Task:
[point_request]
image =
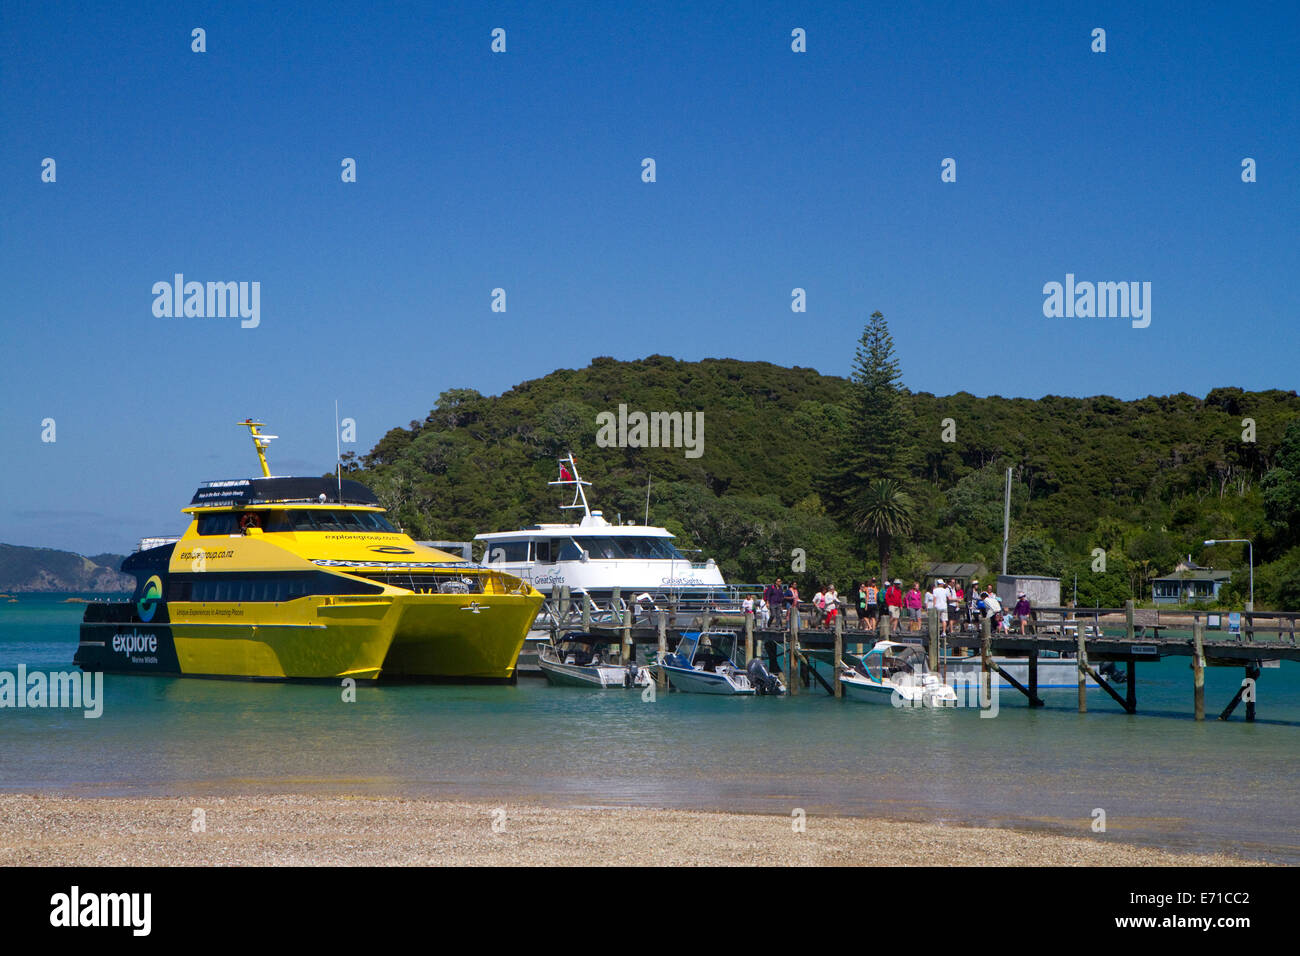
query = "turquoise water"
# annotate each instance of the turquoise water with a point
(1161, 778)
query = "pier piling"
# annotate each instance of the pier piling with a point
(1198, 667)
(625, 619)
(932, 638)
(986, 656)
(662, 623)
(1081, 633)
(839, 652)
(792, 659)
(1252, 674)
(749, 638)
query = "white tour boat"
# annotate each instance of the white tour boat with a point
(593, 557)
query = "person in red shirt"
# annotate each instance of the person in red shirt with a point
(894, 601)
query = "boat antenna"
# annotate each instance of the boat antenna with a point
(338, 450)
(569, 476)
(647, 499)
(260, 442)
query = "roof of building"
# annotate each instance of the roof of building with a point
(1203, 574)
(948, 570)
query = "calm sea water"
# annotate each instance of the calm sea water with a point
(1161, 778)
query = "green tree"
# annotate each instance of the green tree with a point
(885, 513)
(1281, 486)
(1033, 555)
(874, 444)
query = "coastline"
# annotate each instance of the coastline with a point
(294, 829)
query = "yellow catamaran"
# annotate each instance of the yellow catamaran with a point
(304, 578)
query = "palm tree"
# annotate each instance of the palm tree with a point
(884, 511)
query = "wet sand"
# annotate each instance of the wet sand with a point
(298, 830)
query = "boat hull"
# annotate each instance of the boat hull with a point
(705, 682)
(417, 636)
(869, 692)
(570, 675)
(915, 695)
(459, 636)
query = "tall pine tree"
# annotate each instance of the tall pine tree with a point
(876, 443)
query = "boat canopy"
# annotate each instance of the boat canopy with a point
(587, 639)
(250, 491)
(890, 647)
(707, 647)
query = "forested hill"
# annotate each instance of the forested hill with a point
(1146, 480)
(47, 570)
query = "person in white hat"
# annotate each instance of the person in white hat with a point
(940, 603)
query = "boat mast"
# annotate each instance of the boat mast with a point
(260, 442)
(579, 486)
(338, 449)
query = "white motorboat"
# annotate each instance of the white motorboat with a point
(580, 659)
(594, 557)
(705, 663)
(896, 673)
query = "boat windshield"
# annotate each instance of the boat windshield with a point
(297, 519)
(715, 647)
(686, 646)
(316, 519)
(585, 650)
(631, 547)
(885, 662)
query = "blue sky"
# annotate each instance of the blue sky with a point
(522, 170)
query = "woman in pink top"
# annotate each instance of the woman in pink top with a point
(912, 601)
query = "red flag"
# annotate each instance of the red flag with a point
(564, 474)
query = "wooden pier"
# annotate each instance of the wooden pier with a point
(1088, 636)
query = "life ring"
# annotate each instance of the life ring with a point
(249, 520)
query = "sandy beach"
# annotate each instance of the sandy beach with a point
(293, 829)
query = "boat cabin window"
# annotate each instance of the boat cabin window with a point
(319, 519)
(507, 551)
(633, 547)
(222, 522)
(542, 550)
(270, 587)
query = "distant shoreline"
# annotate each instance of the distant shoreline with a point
(299, 829)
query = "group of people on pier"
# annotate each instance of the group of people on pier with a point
(780, 601)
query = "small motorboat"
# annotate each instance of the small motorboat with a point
(704, 662)
(581, 659)
(896, 673)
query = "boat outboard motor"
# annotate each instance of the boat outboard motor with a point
(761, 678)
(1110, 670)
(633, 672)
